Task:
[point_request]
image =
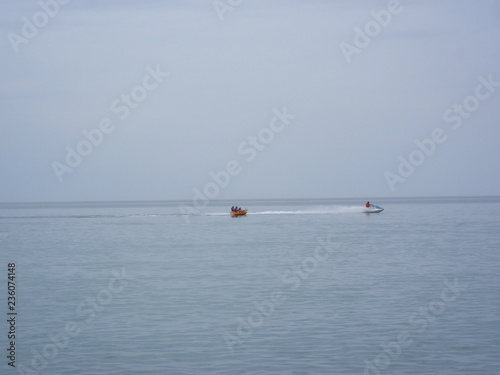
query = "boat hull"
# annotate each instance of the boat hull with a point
(239, 213)
(374, 209)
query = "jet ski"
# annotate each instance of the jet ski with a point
(373, 209)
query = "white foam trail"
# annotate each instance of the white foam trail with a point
(314, 211)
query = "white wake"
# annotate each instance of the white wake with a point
(327, 210)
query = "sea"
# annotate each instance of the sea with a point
(308, 286)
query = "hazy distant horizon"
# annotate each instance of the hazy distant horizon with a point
(361, 200)
(158, 101)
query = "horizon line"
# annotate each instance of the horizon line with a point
(248, 199)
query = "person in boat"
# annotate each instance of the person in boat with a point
(232, 208)
(368, 205)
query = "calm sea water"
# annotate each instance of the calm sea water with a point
(295, 287)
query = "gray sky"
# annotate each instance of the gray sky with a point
(352, 117)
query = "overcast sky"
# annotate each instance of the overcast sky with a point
(178, 87)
